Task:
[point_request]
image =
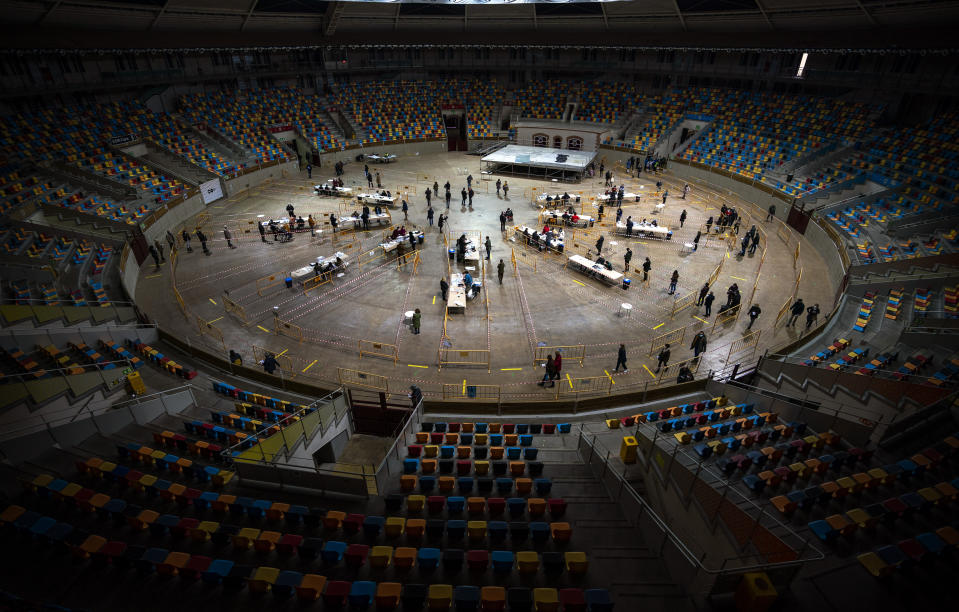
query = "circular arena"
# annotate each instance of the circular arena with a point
(478, 306)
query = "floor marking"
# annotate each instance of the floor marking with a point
(214, 320)
(648, 370)
(263, 328)
(570, 380)
(434, 299)
(610, 377)
(640, 242)
(577, 282)
(283, 353)
(510, 369)
(211, 301)
(153, 276)
(413, 365)
(738, 278)
(698, 319)
(660, 325)
(727, 254)
(464, 386)
(309, 366)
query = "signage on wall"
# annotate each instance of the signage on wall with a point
(125, 138)
(211, 191)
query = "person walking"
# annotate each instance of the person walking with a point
(744, 245)
(159, 247)
(379, 185)
(171, 240)
(463, 197)
(500, 268)
(202, 238)
(269, 363)
(417, 317)
(812, 313)
(754, 312)
(619, 214)
(699, 344)
(627, 257)
(647, 266)
(442, 221)
(309, 171)
(621, 359)
(550, 372)
(599, 245)
(662, 360)
(444, 288)
(797, 309)
(685, 191)
(229, 237)
(499, 184)
(406, 210)
(506, 190)
(702, 294)
(682, 217)
(436, 188)
(312, 223)
(469, 180)
(448, 197)
(672, 282)
(369, 179)
(186, 240)
(429, 215)
(599, 213)
(333, 222)
(469, 194)
(502, 222)
(699, 235)
(709, 224)
(665, 195)
(557, 366)
(771, 211)
(156, 258)
(290, 209)
(489, 247)
(429, 195)
(708, 303)
(755, 243)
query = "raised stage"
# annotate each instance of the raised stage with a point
(541, 162)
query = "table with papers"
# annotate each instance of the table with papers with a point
(581, 220)
(328, 189)
(306, 272)
(627, 197)
(550, 200)
(375, 198)
(595, 270)
(456, 300)
(375, 219)
(557, 243)
(381, 159)
(646, 230)
(392, 244)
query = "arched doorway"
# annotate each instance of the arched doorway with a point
(557, 142)
(540, 140)
(575, 143)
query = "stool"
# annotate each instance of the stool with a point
(625, 310)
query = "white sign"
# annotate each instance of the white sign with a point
(211, 191)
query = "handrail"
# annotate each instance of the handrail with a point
(141, 398)
(396, 441)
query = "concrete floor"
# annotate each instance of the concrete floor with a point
(547, 306)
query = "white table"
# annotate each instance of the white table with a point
(375, 219)
(591, 268)
(381, 159)
(557, 198)
(330, 190)
(626, 197)
(456, 301)
(557, 243)
(646, 230)
(392, 244)
(375, 198)
(581, 221)
(302, 274)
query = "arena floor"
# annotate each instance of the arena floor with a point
(540, 303)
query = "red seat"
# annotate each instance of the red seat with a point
(352, 523)
(414, 450)
(336, 593)
(356, 554)
(464, 467)
(549, 428)
(477, 560)
(913, 549)
(435, 503)
(509, 428)
(288, 543)
(557, 507)
(496, 505)
(573, 600)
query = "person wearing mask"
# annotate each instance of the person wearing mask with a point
(406, 210)
(429, 215)
(627, 257)
(754, 312)
(444, 288)
(702, 294)
(333, 222)
(662, 360)
(599, 246)
(812, 313)
(156, 258)
(228, 236)
(647, 266)
(699, 344)
(672, 282)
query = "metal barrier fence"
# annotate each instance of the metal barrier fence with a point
(468, 392)
(207, 328)
(284, 363)
(682, 303)
(463, 357)
(744, 348)
(369, 348)
(366, 380)
(595, 385)
(672, 370)
(235, 309)
(671, 337)
(729, 316)
(268, 281)
(575, 352)
(322, 279)
(285, 328)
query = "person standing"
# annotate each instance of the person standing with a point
(365, 216)
(290, 209)
(599, 213)
(309, 170)
(499, 184)
(627, 257)
(755, 243)
(156, 258)
(171, 240)
(599, 246)
(629, 227)
(708, 303)
(500, 268)
(621, 359)
(312, 223)
(685, 191)
(550, 372)
(333, 222)
(202, 237)
(709, 224)
(415, 395)
(506, 189)
(745, 245)
(379, 185)
(444, 288)
(557, 366)
(754, 312)
(699, 344)
(469, 193)
(412, 239)
(159, 247)
(417, 317)
(812, 313)
(448, 197)
(797, 309)
(436, 189)
(665, 195)
(682, 217)
(647, 266)
(702, 294)
(619, 214)
(442, 221)
(469, 181)
(463, 197)
(186, 240)
(429, 194)
(229, 237)
(429, 215)
(772, 212)
(406, 210)
(502, 222)
(662, 360)
(672, 282)
(369, 179)
(262, 229)
(269, 363)
(489, 247)
(699, 235)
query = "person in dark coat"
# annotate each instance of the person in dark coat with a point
(550, 373)
(415, 395)
(797, 309)
(269, 363)
(500, 268)
(672, 282)
(186, 240)
(202, 237)
(627, 257)
(682, 216)
(621, 359)
(502, 222)
(647, 266)
(444, 288)
(599, 245)
(696, 241)
(754, 312)
(662, 360)
(702, 294)
(155, 256)
(708, 303)
(699, 344)
(812, 313)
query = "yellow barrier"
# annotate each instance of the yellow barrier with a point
(576, 386)
(268, 281)
(574, 352)
(683, 303)
(378, 349)
(467, 392)
(405, 258)
(672, 337)
(284, 363)
(234, 309)
(180, 302)
(463, 357)
(672, 370)
(782, 232)
(285, 328)
(207, 328)
(746, 344)
(752, 295)
(315, 281)
(783, 310)
(798, 280)
(715, 275)
(796, 255)
(367, 380)
(727, 317)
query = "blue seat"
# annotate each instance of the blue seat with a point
(286, 582)
(513, 453)
(732, 443)
(598, 600)
(150, 559)
(815, 494)
(914, 501)
(748, 408)
(931, 542)
(798, 497)
(239, 507)
(373, 525)
(482, 427)
(333, 551)
(115, 509)
(723, 429)
(466, 598)
(411, 466)
(466, 439)
(754, 483)
(798, 428)
(688, 408)
(504, 485)
(516, 506)
(522, 428)
(205, 499)
(543, 486)
(58, 532)
(497, 530)
(539, 531)
(439, 427)
(909, 468)
(427, 483)
(296, 514)
(703, 450)
(455, 504)
(42, 525)
(502, 561)
(698, 435)
(735, 427)
(428, 558)
(361, 593)
(217, 571)
(564, 428)
(496, 439)
(891, 555)
(652, 416)
(526, 440)
(455, 529)
(823, 531)
(726, 465)
(465, 484)
(759, 459)
(447, 451)
(163, 523)
(712, 416)
(690, 422)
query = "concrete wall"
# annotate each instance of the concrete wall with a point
(728, 185)
(412, 148)
(592, 136)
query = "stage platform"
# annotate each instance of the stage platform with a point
(544, 162)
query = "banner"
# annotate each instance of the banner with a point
(119, 140)
(211, 191)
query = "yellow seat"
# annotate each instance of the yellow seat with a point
(415, 503)
(394, 526)
(476, 530)
(267, 541)
(333, 519)
(245, 538)
(440, 596)
(143, 520)
(481, 468)
(527, 561)
(381, 556)
(576, 562)
(203, 531)
(446, 483)
(404, 557)
(262, 579)
(545, 600)
(874, 564)
(431, 450)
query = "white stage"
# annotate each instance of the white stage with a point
(539, 161)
